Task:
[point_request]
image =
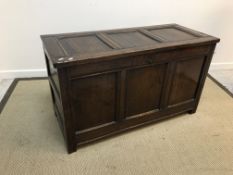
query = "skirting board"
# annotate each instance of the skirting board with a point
(228, 65)
(23, 73)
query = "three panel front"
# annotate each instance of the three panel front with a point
(96, 97)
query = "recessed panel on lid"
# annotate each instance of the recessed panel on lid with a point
(172, 34)
(83, 44)
(131, 39)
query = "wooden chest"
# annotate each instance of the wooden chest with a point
(107, 82)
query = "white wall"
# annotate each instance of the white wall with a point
(22, 21)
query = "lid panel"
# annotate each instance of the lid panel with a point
(172, 34)
(84, 47)
(131, 39)
(83, 44)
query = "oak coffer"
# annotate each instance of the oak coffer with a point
(107, 82)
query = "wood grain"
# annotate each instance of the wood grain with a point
(106, 82)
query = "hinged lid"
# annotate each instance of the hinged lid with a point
(70, 48)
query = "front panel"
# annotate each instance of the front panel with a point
(108, 98)
(143, 89)
(93, 100)
(185, 81)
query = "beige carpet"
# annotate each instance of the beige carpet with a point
(31, 142)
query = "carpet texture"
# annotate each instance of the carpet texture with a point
(198, 144)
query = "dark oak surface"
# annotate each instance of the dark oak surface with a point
(106, 82)
(89, 46)
(144, 87)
